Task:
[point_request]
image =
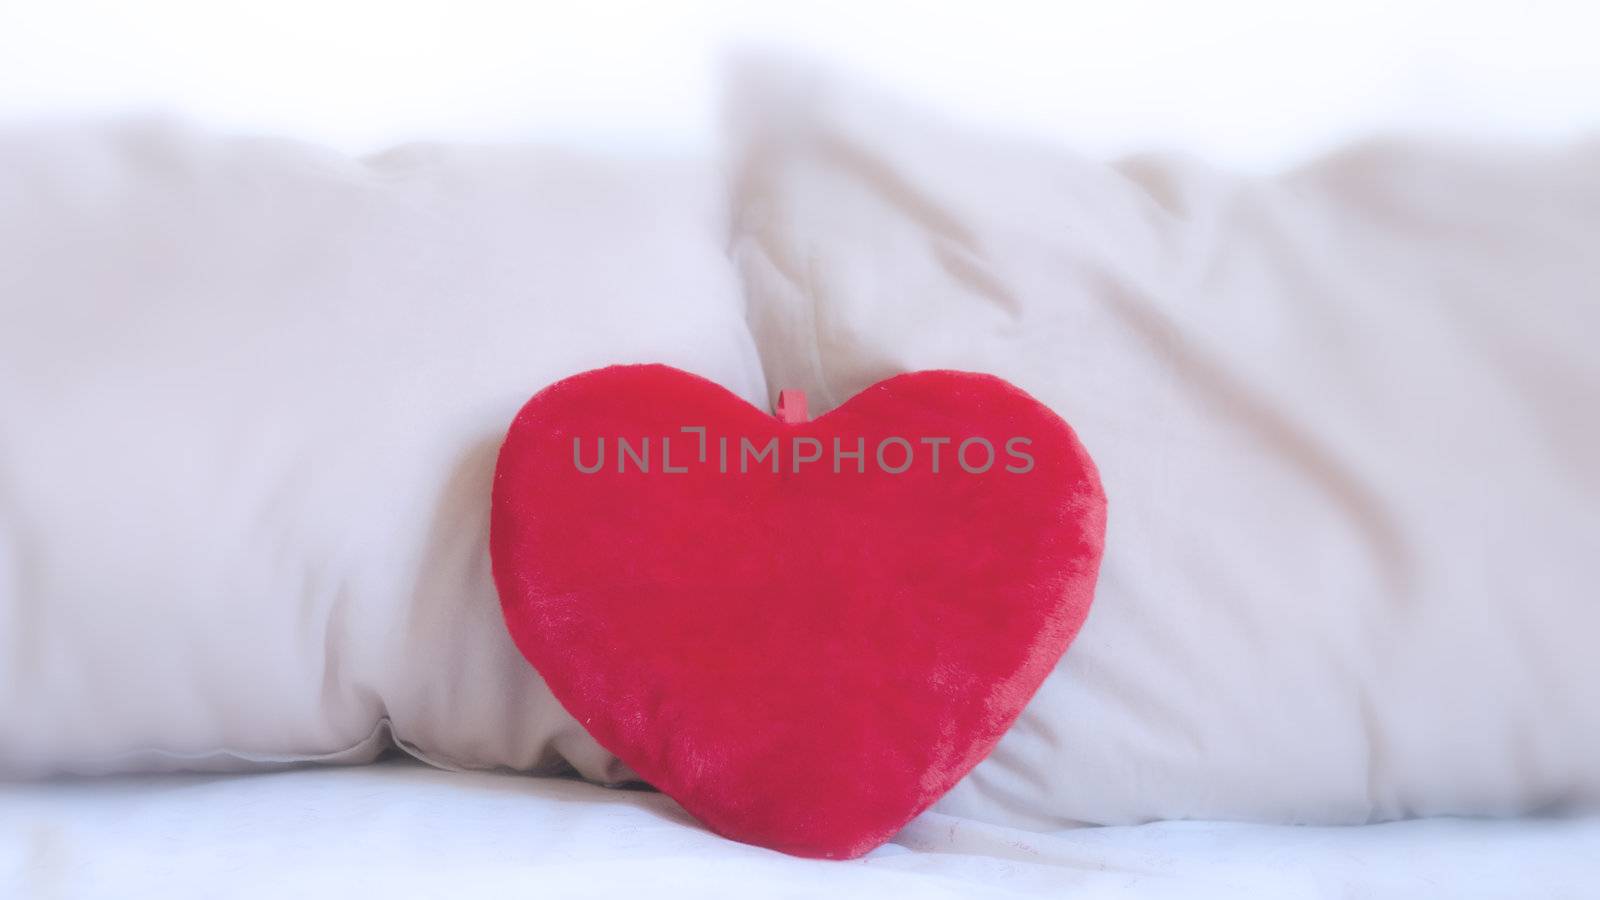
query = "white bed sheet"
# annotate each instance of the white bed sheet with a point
(399, 829)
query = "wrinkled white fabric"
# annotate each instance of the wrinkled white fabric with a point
(251, 397)
(1348, 421)
(396, 830)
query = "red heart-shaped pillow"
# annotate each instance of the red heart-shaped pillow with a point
(805, 632)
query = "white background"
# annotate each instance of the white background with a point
(1247, 83)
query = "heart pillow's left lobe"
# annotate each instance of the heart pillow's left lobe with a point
(804, 647)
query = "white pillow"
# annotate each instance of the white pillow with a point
(1345, 419)
(251, 401)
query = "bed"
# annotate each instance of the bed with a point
(1343, 414)
(399, 828)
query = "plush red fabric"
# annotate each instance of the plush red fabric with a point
(805, 660)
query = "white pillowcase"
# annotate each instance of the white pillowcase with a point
(1346, 420)
(253, 391)
(252, 397)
